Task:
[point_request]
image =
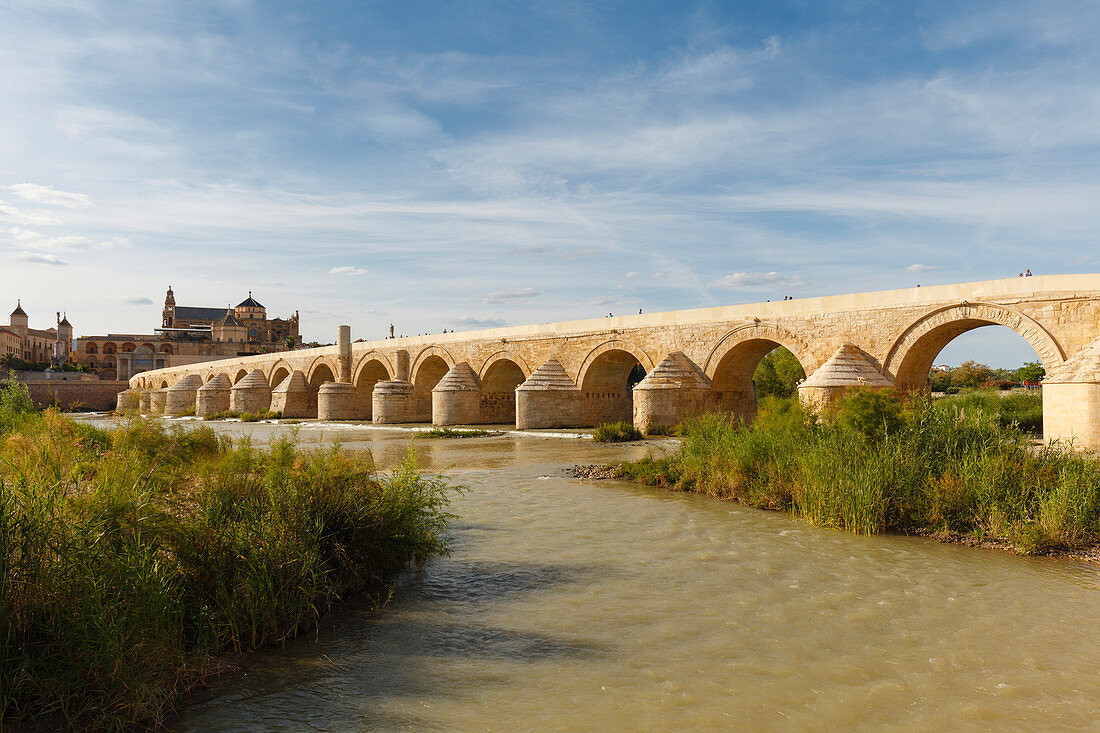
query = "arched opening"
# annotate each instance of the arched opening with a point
(166, 348)
(91, 363)
(428, 374)
(241, 374)
(733, 383)
(278, 376)
(498, 392)
(370, 374)
(109, 348)
(163, 384)
(90, 349)
(608, 387)
(127, 348)
(321, 374)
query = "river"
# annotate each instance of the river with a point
(602, 605)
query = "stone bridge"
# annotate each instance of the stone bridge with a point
(579, 373)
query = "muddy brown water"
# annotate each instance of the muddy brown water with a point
(601, 605)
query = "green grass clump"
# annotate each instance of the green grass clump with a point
(616, 432)
(223, 415)
(130, 559)
(1024, 409)
(875, 463)
(665, 430)
(452, 433)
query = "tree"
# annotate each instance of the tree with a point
(1032, 371)
(778, 374)
(970, 374)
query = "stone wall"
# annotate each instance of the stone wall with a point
(97, 396)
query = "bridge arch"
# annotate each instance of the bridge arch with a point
(500, 374)
(606, 381)
(733, 360)
(371, 369)
(427, 369)
(915, 350)
(321, 370)
(426, 354)
(241, 374)
(279, 371)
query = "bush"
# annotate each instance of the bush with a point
(958, 466)
(617, 432)
(129, 559)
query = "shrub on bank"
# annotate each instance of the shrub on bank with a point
(960, 467)
(130, 559)
(616, 432)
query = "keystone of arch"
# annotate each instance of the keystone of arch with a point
(504, 356)
(367, 358)
(1046, 346)
(613, 345)
(759, 332)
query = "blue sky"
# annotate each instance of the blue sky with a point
(457, 165)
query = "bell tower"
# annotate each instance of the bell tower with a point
(169, 308)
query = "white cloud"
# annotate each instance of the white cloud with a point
(922, 268)
(136, 300)
(600, 300)
(50, 196)
(33, 218)
(38, 258)
(347, 270)
(479, 323)
(67, 243)
(756, 281)
(510, 295)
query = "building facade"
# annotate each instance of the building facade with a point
(36, 345)
(189, 335)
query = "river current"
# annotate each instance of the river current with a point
(572, 604)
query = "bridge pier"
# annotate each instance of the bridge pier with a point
(291, 396)
(391, 402)
(336, 401)
(213, 397)
(456, 398)
(158, 399)
(145, 401)
(1071, 400)
(181, 395)
(251, 394)
(549, 399)
(848, 368)
(673, 390)
(128, 400)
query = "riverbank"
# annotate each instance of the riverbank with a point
(948, 468)
(132, 559)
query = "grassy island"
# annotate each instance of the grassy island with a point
(131, 560)
(962, 468)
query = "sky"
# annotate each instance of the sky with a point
(475, 164)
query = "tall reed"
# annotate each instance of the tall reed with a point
(130, 560)
(876, 463)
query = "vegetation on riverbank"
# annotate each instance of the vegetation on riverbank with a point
(129, 560)
(616, 432)
(458, 433)
(957, 467)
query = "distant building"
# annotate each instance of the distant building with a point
(35, 345)
(188, 335)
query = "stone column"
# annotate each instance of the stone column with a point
(291, 396)
(548, 399)
(181, 395)
(401, 366)
(392, 402)
(456, 399)
(336, 401)
(1071, 400)
(213, 397)
(251, 394)
(850, 367)
(343, 342)
(673, 390)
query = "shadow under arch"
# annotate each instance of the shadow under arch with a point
(371, 369)
(733, 360)
(279, 371)
(607, 377)
(501, 373)
(915, 350)
(431, 364)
